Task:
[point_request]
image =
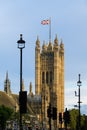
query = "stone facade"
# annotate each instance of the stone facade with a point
(49, 76)
(49, 81)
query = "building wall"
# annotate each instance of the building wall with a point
(49, 76)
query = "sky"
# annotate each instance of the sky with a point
(68, 21)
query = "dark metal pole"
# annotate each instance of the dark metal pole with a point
(66, 120)
(79, 84)
(21, 45)
(21, 85)
(79, 107)
(20, 70)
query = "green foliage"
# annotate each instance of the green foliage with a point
(5, 114)
(74, 120)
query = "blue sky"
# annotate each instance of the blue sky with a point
(68, 21)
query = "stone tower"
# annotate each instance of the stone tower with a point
(7, 85)
(49, 76)
(30, 89)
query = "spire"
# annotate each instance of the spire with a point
(50, 43)
(56, 40)
(30, 92)
(44, 47)
(61, 44)
(38, 42)
(7, 75)
(30, 87)
(61, 47)
(56, 43)
(50, 47)
(7, 84)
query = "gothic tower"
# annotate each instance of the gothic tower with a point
(30, 89)
(7, 85)
(49, 76)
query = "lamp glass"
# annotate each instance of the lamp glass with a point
(21, 45)
(79, 83)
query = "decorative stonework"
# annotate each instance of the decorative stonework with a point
(49, 76)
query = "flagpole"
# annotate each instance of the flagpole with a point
(45, 22)
(50, 30)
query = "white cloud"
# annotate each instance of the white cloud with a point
(70, 98)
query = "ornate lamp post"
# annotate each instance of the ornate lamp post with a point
(21, 45)
(79, 83)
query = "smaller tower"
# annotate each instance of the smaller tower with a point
(30, 89)
(44, 47)
(37, 68)
(7, 85)
(49, 48)
(56, 41)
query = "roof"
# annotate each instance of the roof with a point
(12, 101)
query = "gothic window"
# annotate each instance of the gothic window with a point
(43, 77)
(47, 77)
(50, 76)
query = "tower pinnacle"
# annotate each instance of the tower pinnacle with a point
(7, 84)
(56, 40)
(38, 42)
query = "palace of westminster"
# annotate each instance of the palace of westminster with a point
(49, 81)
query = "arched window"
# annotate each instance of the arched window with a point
(51, 76)
(47, 77)
(43, 77)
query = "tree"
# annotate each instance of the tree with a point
(5, 114)
(74, 120)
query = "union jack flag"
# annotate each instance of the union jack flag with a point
(44, 22)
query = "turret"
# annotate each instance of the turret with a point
(37, 67)
(49, 48)
(30, 89)
(37, 43)
(61, 47)
(44, 47)
(56, 43)
(61, 54)
(56, 63)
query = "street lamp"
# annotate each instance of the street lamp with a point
(79, 83)
(21, 45)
